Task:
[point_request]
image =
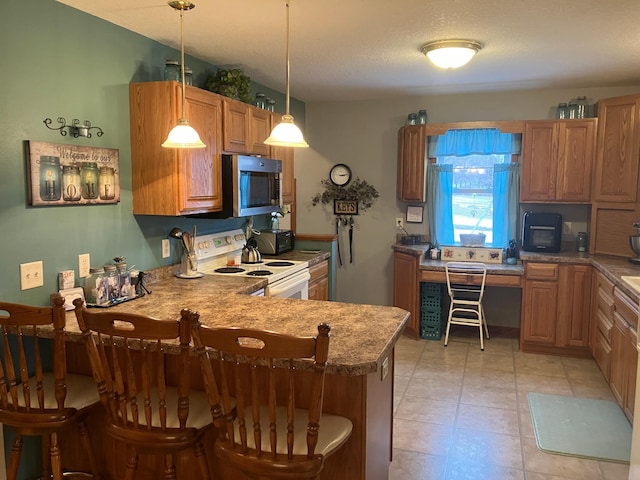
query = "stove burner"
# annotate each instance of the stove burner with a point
(229, 270)
(260, 273)
(279, 264)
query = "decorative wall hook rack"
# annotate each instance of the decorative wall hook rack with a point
(76, 129)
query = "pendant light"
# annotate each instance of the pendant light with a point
(286, 133)
(182, 135)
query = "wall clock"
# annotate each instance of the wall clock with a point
(340, 174)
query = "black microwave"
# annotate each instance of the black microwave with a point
(541, 232)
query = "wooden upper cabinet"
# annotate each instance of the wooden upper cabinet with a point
(411, 180)
(618, 150)
(557, 160)
(170, 181)
(286, 155)
(245, 128)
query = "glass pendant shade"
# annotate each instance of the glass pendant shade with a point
(449, 54)
(286, 134)
(183, 135)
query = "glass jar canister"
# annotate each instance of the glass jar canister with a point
(573, 110)
(422, 117)
(260, 101)
(113, 282)
(95, 291)
(50, 184)
(124, 280)
(89, 174)
(188, 76)
(172, 70)
(582, 242)
(562, 111)
(71, 182)
(270, 104)
(582, 107)
(106, 183)
(412, 119)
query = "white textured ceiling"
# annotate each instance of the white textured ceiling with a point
(367, 49)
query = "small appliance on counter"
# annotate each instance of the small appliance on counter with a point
(275, 242)
(541, 232)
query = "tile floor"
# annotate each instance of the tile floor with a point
(460, 413)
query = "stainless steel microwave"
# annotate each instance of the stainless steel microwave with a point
(541, 232)
(250, 186)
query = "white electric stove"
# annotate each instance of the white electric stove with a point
(221, 253)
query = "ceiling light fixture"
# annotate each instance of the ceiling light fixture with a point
(182, 135)
(286, 133)
(449, 54)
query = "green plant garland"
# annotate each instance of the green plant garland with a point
(359, 190)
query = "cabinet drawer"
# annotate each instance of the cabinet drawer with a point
(603, 284)
(626, 308)
(605, 324)
(541, 271)
(319, 270)
(602, 355)
(605, 303)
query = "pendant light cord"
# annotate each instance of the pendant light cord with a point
(182, 60)
(288, 67)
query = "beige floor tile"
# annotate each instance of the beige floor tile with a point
(427, 410)
(487, 448)
(614, 471)
(493, 420)
(544, 476)
(490, 362)
(436, 390)
(438, 371)
(465, 469)
(543, 384)
(535, 460)
(407, 465)
(489, 397)
(546, 365)
(526, 424)
(429, 438)
(489, 379)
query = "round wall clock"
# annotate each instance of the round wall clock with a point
(340, 174)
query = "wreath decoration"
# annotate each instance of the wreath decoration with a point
(358, 190)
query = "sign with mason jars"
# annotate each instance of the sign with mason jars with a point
(62, 174)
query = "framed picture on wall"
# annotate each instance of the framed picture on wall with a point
(60, 174)
(414, 213)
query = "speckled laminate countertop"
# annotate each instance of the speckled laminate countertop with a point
(611, 267)
(362, 336)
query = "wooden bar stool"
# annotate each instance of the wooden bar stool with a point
(260, 431)
(34, 401)
(143, 410)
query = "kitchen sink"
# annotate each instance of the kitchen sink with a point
(633, 282)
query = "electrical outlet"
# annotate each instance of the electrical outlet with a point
(399, 222)
(166, 248)
(31, 275)
(566, 228)
(84, 265)
(385, 369)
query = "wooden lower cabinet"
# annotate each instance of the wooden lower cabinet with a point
(555, 310)
(319, 281)
(405, 289)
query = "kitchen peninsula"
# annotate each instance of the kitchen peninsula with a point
(359, 380)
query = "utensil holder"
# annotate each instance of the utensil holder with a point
(189, 266)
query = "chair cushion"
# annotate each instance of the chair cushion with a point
(81, 392)
(334, 431)
(199, 411)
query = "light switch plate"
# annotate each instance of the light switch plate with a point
(166, 248)
(31, 275)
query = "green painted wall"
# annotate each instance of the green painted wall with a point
(59, 61)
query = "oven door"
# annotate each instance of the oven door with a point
(294, 286)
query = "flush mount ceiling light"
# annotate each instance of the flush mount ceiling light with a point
(286, 133)
(451, 53)
(182, 135)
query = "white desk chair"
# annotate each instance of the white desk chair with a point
(465, 285)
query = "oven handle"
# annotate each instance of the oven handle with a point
(297, 279)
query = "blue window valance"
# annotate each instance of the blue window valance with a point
(478, 141)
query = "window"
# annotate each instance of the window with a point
(473, 187)
(472, 193)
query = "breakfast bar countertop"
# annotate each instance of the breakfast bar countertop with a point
(362, 336)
